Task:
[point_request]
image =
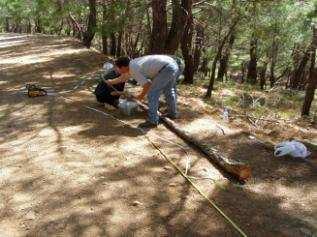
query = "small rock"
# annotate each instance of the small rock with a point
(167, 168)
(136, 203)
(173, 184)
(30, 215)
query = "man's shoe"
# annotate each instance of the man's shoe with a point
(170, 116)
(147, 125)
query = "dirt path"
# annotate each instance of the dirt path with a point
(69, 171)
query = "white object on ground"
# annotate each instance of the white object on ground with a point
(107, 66)
(225, 115)
(292, 148)
(127, 107)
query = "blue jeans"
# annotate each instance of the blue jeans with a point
(163, 83)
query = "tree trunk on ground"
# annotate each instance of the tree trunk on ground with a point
(198, 46)
(223, 67)
(252, 65)
(89, 34)
(238, 170)
(159, 29)
(178, 24)
(312, 83)
(186, 44)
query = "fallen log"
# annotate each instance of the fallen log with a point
(237, 169)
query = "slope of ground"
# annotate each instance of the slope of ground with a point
(67, 170)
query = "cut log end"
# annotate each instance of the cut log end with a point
(241, 171)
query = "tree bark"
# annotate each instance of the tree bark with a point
(180, 17)
(274, 53)
(186, 44)
(223, 66)
(198, 46)
(252, 65)
(204, 66)
(262, 75)
(113, 44)
(217, 57)
(104, 35)
(237, 169)
(299, 71)
(119, 43)
(38, 27)
(159, 29)
(77, 29)
(7, 24)
(312, 83)
(89, 34)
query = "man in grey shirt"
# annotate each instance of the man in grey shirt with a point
(157, 74)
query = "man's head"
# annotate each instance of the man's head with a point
(122, 64)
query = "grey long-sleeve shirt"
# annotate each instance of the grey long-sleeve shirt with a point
(144, 69)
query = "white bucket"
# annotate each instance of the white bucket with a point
(127, 107)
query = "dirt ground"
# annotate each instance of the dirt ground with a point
(67, 170)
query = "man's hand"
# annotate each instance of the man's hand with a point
(144, 92)
(120, 79)
(108, 82)
(139, 97)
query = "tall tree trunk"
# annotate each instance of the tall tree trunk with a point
(7, 24)
(179, 20)
(223, 66)
(218, 56)
(274, 53)
(262, 75)
(159, 29)
(104, 35)
(38, 27)
(186, 44)
(198, 46)
(204, 66)
(119, 42)
(312, 83)
(89, 34)
(243, 69)
(299, 71)
(29, 27)
(252, 65)
(76, 27)
(113, 44)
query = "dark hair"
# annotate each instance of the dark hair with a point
(122, 62)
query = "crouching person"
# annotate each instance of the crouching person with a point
(157, 74)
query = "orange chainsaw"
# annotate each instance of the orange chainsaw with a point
(35, 91)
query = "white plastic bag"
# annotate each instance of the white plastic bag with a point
(292, 148)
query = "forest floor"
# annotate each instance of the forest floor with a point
(67, 170)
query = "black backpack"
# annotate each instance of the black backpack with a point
(103, 91)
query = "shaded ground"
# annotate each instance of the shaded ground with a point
(69, 171)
